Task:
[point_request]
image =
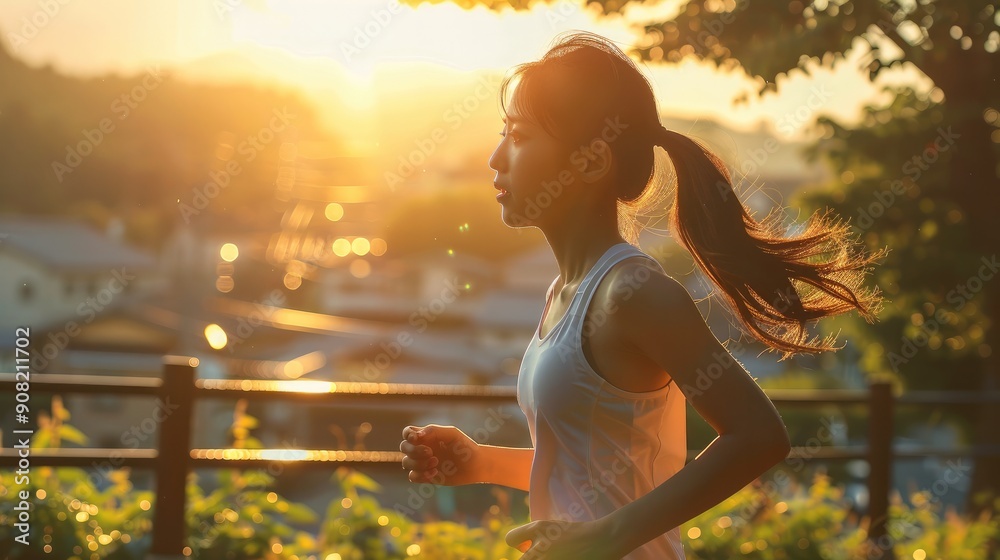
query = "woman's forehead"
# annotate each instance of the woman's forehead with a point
(514, 118)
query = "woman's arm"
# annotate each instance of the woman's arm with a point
(507, 466)
(445, 455)
(659, 319)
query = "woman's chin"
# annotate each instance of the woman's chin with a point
(512, 219)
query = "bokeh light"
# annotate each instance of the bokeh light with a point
(334, 212)
(229, 252)
(378, 247)
(360, 246)
(216, 337)
(292, 281)
(224, 284)
(360, 268)
(341, 247)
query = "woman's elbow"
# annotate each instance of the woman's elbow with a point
(778, 445)
(770, 443)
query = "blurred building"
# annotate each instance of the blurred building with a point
(55, 270)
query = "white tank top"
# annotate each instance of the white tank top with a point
(597, 447)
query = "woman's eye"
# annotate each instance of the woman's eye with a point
(514, 136)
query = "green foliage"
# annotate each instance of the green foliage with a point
(359, 528)
(70, 517)
(796, 522)
(244, 518)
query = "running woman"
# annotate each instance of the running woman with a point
(621, 347)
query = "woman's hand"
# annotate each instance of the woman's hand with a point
(442, 455)
(565, 540)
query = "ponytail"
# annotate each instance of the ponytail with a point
(764, 276)
(775, 285)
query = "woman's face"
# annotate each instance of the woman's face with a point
(535, 170)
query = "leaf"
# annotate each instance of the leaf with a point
(58, 410)
(359, 480)
(42, 439)
(248, 422)
(69, 433)
(299, 513)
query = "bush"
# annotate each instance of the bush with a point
(812, 523)
(243, 519)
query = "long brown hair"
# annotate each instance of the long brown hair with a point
(775, 283)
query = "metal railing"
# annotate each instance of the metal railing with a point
(181, 389)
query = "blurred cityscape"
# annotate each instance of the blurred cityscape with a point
(221, 209)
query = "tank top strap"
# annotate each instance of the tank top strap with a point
(588, 287)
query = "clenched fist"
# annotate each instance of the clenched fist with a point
(442, 455)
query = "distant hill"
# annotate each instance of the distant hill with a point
(171, 131)
(139, 146)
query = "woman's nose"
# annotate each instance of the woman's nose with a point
(492, 162)
(496, 159)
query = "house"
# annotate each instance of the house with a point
(58, 274)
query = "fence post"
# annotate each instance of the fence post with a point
(173, 459)
(880, 432)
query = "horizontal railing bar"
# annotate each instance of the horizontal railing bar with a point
(82, 457)
(256, 458)
(818, 396)
(259, 388)
(72, 384)
(229, 388)
(948, 397)
(979, 450)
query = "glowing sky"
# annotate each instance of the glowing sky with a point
(351, 45)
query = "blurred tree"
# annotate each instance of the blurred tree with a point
(919, 174)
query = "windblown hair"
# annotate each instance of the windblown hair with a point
(584, 86)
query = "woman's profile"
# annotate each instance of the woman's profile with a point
(621, 347)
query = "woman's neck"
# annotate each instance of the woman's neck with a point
(579, 244)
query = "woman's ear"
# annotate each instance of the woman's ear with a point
(596, 161)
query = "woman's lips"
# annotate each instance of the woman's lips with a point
(502, 194)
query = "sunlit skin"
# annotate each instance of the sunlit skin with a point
(656, 334)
